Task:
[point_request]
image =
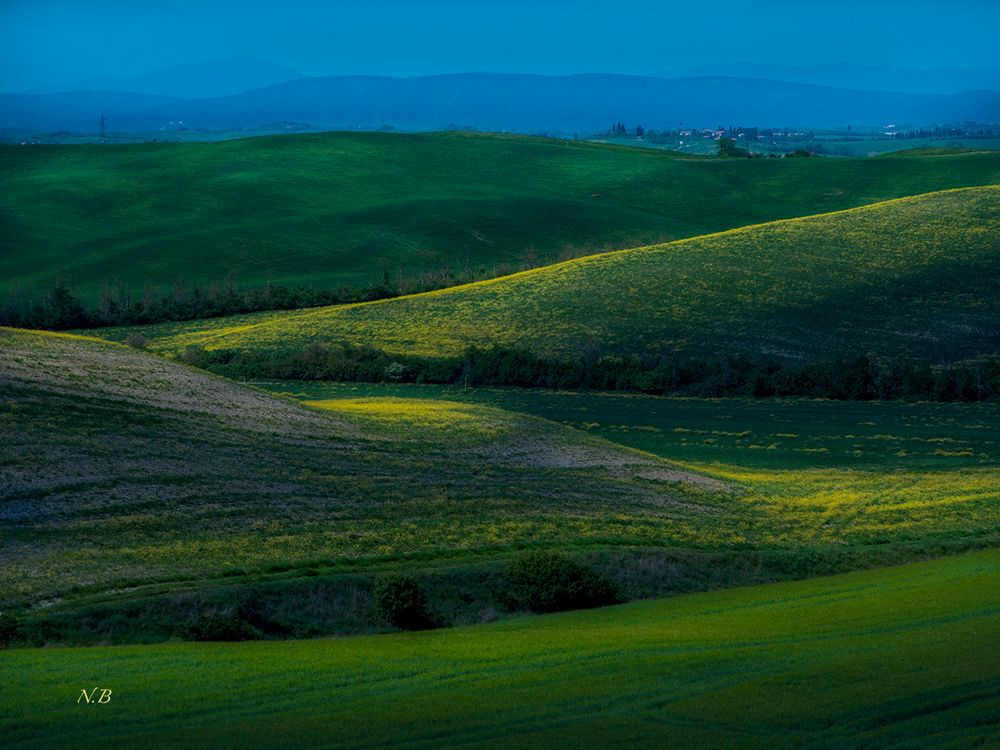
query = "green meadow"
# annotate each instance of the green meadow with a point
(127, 473)
(764, 433)
(807, 464)
(792, 572)
(899, 657)
(336, 209)
(912, 278)
(140, 492)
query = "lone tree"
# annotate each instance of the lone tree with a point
(102, 128)
(728, 147)
(63, 309)
(400, 600)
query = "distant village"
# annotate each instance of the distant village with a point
(740, 140)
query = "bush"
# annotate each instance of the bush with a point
(550, 582)
(10, 628)
(400, 600)
(220, 627)
(137, 341)
(728, 147)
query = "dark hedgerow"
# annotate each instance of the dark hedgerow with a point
(220, 627)
(857, 377)
(550, 582)
(10, 628)
(400, 600)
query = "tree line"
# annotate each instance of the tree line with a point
(60, 308)
(854, 377)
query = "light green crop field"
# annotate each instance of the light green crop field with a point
(909, 278)
(900, 657)
(331, 209)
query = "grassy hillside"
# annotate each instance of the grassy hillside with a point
(758, 433)
(332, 209)
(910, 278)
(121, 470)
(898, 657)
(135, 488)
(873, 473)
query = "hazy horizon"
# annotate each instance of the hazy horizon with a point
(55, 43)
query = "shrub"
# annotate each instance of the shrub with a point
(728, 147)
(137, 341)
(193, 355)
(550, 582)
(10, 628)
(400, 600)
(220, 627)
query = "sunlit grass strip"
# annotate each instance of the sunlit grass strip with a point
(422, 418)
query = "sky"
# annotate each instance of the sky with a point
(51, 42)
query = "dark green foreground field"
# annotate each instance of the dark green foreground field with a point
(901, 657)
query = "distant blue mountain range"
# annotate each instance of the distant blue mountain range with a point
(190, 81)
(582, 104)
(850, 76)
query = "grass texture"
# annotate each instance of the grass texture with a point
(122, 470)
(334, 209)
(124, 473)
(910, 278)
(874, 473)
(896, 657)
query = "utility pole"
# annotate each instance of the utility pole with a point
(102, 128)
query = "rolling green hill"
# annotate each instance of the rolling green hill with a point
(899, 657)
(122, 470)
(913, 278)
(138, 492)
(338, 208)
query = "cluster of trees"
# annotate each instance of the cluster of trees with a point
(942, 132)
(61, 309)
(619, 129)
(728, 147)
(534, 581)
(541, 581)
(844, 378)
